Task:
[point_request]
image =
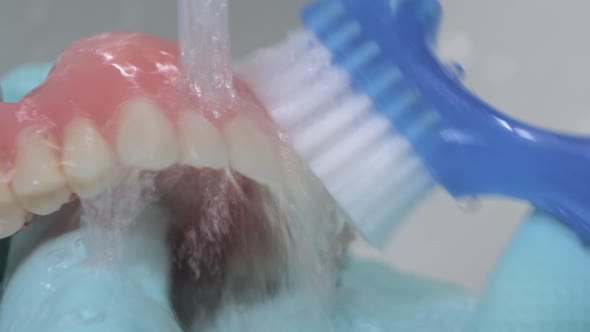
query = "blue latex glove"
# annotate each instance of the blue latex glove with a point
(18, 82)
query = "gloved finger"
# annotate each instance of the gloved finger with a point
(542, 283)
(19, 81)
(375, 297)
(63, 284)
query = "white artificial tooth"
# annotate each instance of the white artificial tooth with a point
(146, 139)
(87, 159)
(12, 215)
(38, 182)
(253, 151)
(201, 144)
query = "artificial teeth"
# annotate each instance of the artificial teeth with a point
(201, 144)
(252, 152)
(38, 182)
(88, 162)
(146, 139)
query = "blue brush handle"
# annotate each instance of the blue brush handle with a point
(473, 150)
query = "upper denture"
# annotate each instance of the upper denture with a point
(118, 99)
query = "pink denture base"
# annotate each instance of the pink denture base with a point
(94, 77)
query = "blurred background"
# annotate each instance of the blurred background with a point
(527, 57)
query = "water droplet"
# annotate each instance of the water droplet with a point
(47, 286)
(470, 205)
(58, 260)
(83, 316)
(90, 315)
(457, 70)
(80, 248)
(58, 254)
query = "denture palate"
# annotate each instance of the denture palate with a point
(118, 100)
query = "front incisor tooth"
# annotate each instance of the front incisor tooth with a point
(12, 216)
(87, 159)
(146, 139)
(252, 150)
(38, 182)
(201, 144)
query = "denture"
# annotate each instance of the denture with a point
(245, 219)
(118, 100)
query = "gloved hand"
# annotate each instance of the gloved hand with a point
(54, 282)
(542, 282)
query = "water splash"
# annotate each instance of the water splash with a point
(104, 219)
(457, 70)
(205, 49)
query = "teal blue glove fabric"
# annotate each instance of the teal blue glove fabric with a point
(542, 283)
(376, 298)
(59, 285)
(18, 82)
(53, 290)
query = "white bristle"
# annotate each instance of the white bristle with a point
(370, 169)
(299, 63)
(283, 54)
(301, 71)
(330, 124)
(378, 162)
(347, 150)
(305, 66)
(377, 225)
(311, 97)
(365, 192)
(387, 187)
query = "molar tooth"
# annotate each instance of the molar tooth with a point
(252, 150)
(146, 139)
(87, 159)
(201, 144)
(12, 215)
(38, 182)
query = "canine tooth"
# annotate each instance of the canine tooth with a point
(87, 160)
(252, 151)
(38, 182)
(146, 138)
(12, 216)
(201, 144)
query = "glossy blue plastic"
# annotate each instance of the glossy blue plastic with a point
(469, 147)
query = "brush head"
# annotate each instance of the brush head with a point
(361, 158)
(471, 149)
